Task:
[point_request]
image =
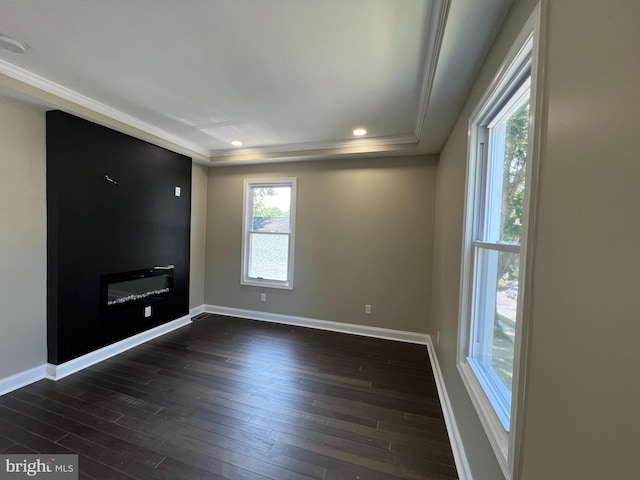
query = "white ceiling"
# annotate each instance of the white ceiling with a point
(289, 78)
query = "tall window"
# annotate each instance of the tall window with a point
(499, 190)
(497, 247)
(268, 229)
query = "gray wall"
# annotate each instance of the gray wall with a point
(23, 241)
(581, 419)
(199, 176)
(364, 233)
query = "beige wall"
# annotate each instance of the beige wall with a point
(581, 417)
(199, 176)
(364, 233)
(23, 238)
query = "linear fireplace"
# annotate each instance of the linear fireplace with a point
(136, 287)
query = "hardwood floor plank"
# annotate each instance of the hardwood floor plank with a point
(39, 411)
(28, 442)
(78, 404)
(208, 421)
(15, 449)
(127, 438)
(112, 400)
(417, 432)
(100, 471)
(357, 448)
(293, 424)
(226, 398)
(5, 442)
(125, 373)
(380, 465)
(172, 469)
(416, 406)
(413, 463)
(29, 424)
(228, 450)
(336, 468)
(118, 461)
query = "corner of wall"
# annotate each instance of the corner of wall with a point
(199, 195)
(23, 342)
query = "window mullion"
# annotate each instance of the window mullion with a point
(502, 247)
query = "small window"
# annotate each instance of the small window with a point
(268, 232)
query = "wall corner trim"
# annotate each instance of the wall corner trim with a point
(22, 379)
(459, 455)
(57, 372)
(354, 329)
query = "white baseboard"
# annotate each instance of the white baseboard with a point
(56, 372)
(196, 310)
(459, 455)
(377, 332)
(22, 379)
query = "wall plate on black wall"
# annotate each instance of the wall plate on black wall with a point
(111, 209)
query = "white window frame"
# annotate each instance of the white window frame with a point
(523, 59)
(247, 216)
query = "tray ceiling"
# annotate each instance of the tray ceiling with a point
(288, 78)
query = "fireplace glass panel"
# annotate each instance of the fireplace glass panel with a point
(138, 286)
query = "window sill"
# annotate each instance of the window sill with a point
(497, 435)
(267, 284)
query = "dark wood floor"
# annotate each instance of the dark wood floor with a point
(238, 399)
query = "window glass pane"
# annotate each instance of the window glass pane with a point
(271, 209)
(495, 308)
(268, 256)
(513, 168)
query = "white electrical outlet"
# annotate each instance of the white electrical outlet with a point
(263, 297)
(367, 309)
(178, 191)
(147, 311)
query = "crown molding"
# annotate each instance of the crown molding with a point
(348, 150)
(360, 143)
(438, 20)
(69, 95)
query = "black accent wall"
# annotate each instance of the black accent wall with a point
(98, 227)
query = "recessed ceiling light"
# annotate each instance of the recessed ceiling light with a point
(359, 132)
(236, 143)
(13, 44)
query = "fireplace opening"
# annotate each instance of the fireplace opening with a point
(136, 287)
